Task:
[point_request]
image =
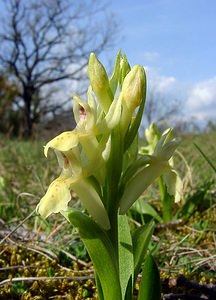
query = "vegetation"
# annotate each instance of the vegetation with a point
(170, 226)
(31, 34)
(44, 249)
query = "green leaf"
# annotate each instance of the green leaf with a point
(141, 238)
(99, 288)
(142, 207)
(126, 262)
(150, 282)
(101, 253)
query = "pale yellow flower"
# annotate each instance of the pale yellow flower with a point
(156, 165)
(76, 168)
(58, 196)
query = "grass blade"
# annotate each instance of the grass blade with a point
(205, 157)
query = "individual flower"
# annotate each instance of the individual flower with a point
(58, 196)
(77, 166)
(162, 147)
(147, 169)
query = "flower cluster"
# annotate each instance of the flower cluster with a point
(98, 158)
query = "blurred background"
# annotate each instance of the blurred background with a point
(45, 45)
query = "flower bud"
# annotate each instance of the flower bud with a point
(133, 88)
(99, 82)
(124, 69)
(152, 135)
(114, 79)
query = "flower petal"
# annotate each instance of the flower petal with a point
(83, 114)
(112, 117)
(174, 184)
(63, 142)
(56, 198)
(162, 141)
(168, 150)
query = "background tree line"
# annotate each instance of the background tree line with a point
(44, 51)
(45, 44)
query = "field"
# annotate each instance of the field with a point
(44, 259)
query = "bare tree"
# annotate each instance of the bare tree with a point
(160, 109)
(45, 42)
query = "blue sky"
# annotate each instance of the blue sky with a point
(176, 41)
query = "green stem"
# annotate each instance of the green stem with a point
(113, 232)
(167, 201)
(111, 193)
(114, 169)
(112, 210)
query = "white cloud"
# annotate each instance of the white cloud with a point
(158, 83)
(201, 101)
(198, 101)
(165, 83)
(151, 56)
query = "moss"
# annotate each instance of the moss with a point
(19, 262)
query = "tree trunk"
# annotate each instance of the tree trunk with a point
(28, 123)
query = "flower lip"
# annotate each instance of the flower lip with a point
(56, 198)
(63, 142)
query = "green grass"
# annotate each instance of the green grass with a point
(25, 173)
(24, 176)
(199, 167)
(185, 248)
